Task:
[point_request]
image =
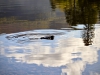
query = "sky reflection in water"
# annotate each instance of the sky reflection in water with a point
(66, 53)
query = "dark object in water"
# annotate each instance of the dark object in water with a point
(48, 37)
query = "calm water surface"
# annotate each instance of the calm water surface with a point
(49, 37)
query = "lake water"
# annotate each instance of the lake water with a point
(49, 37)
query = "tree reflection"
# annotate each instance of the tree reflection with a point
(88, 18)
(80, 12)
(88, 34)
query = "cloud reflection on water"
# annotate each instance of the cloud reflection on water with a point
(62, 51)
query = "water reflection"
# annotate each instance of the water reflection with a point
(88, 35)
(80, 12)
(17, 16)
(64, 50)
(59, 34)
